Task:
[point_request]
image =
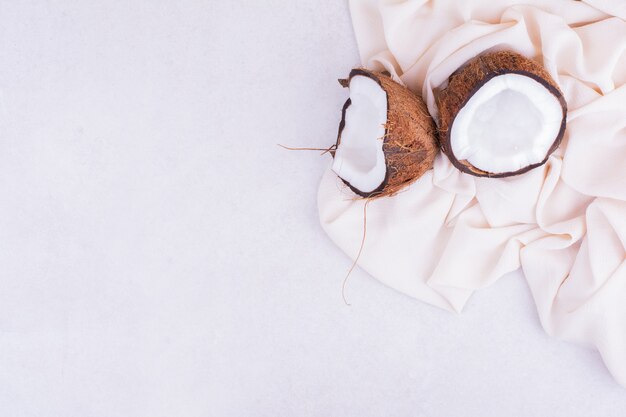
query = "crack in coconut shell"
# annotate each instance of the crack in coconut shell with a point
(410, 139)
(465, 82)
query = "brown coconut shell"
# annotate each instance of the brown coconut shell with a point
(467, 80)
(410, 141)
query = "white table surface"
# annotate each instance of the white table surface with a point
(161, 256)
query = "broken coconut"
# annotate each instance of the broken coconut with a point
(386, 137)
(500, 115)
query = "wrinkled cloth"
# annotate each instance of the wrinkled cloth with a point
(563, 224)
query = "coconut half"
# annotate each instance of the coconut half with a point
(386, 137)
(500, 115)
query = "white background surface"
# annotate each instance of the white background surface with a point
(161, 256)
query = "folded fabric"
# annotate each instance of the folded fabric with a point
(563, 224)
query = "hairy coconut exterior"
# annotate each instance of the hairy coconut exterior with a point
(466, 81)
(410, 141)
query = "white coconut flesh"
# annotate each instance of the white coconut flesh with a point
(510, 123)
(359, 157)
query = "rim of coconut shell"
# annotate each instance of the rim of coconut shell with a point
(547, 82)
(384, 189)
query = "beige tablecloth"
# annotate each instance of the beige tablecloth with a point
(564, 223)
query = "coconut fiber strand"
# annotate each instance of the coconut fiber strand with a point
(564, 223)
